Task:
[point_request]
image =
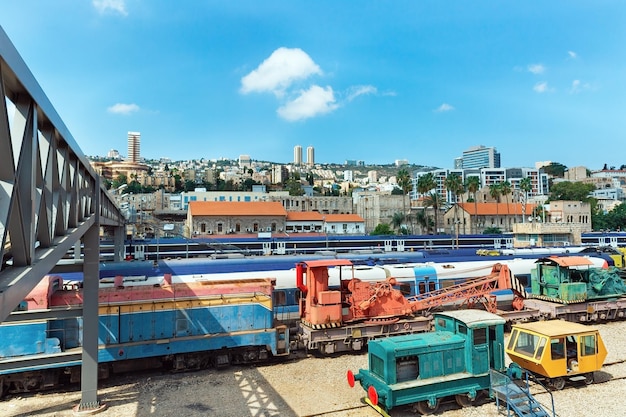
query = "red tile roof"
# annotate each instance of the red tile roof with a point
(304, 216)
(238, 208)
(341, 218)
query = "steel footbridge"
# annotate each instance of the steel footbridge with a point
(51, 200)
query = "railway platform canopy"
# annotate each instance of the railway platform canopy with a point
(51, 200)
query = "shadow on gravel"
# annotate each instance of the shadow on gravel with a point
(233, 392)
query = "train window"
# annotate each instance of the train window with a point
(542, 345)
(526, 344)
(557, 348)
(461, 329)
(407, 368)
(588, 345)
(441, 323)
(377, 366)
(512, 339)
(405, 289)
(279, 298)
(298, 295)
(480, 336)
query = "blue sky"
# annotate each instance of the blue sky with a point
(366, 80)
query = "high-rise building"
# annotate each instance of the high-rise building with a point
(245, 161)
(297, 155)
(310, 156)
(134, 139)
(481, 157)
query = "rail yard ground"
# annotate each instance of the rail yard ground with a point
(311, 386)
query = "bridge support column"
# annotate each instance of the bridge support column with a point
(89, 403)
(119, 250)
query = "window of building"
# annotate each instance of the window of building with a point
(255, 227)
(220, 228)
(237, 227)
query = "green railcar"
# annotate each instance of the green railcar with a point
(421, 369)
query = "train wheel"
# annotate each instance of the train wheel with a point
(425, 409)
(464, 400)
(589, 379)
(556, 384)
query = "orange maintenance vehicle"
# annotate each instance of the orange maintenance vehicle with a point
(346, 316)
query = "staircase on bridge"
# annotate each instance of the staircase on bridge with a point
(513, 397)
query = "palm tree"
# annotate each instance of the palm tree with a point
(505, 190)
(404, 181)
(435, 201)
(454, 184)
(397, 220)
(426, 183)
(422, 220)
(473, 185)
(526, 186)
(494, 192)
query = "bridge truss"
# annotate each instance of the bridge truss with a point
(51, 200)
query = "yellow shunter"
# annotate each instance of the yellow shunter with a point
(557, 350)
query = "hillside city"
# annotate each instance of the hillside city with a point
(393, 198)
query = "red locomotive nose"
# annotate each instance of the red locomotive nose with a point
(350, 376)
(372, 395)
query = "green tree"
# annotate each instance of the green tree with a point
(473, 185)
(119, 181)
(382, 229)
(574, 191)
(190, 185)
(294, 186)
(425, 183)
(526, 186)
(505, 190)
(404, 182)
(397, 220)
(436, 202)
(454, 184)
(555, 169)
(494, 192)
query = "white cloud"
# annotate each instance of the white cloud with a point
(572, 54)
(125, 109)
(536, 68)
(115, 6)
(279, 71)
(579, 86)
(541, 87)
(444, 107)
(360, 90)
(312, 102)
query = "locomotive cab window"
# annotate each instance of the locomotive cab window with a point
(480, 336)
(279, 298)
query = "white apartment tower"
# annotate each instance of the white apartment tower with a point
(310, 156)
(134, 139)
(297, 155)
